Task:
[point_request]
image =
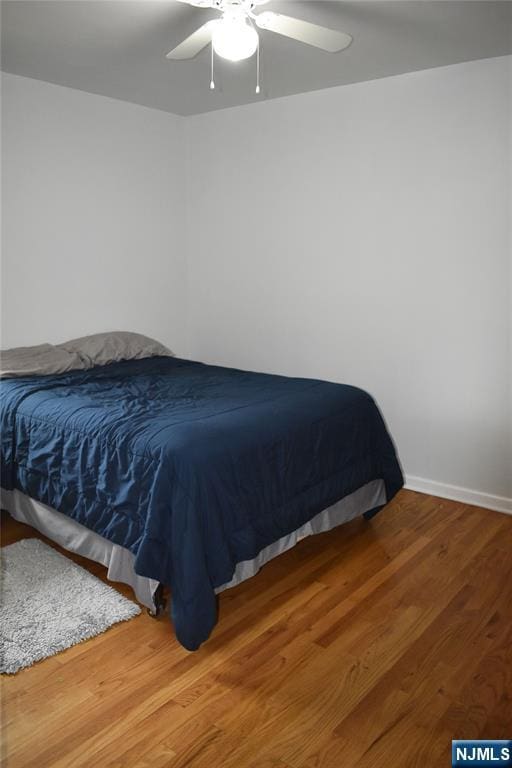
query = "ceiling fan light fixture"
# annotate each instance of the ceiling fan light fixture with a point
(234, 38)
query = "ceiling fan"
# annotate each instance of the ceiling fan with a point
(233, 36)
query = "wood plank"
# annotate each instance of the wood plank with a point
(372, 645)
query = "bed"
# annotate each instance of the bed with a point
(189, 475)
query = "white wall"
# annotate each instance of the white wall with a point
(362, 234)
(93, 216)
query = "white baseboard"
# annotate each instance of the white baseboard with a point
(456, 493)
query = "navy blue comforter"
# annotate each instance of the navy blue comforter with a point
(192, 467)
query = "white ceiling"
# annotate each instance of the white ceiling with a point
(117, 47)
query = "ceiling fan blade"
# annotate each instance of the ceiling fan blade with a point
(312, 34)
(194, 43)
(198, 3)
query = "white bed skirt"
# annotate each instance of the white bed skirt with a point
(77, 538)
(120, 561)
(363, 500)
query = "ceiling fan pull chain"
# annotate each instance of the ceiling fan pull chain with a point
(258, 67)
(212, 81)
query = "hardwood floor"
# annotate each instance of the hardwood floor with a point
(372, 645)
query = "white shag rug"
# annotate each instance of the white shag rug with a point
(48, 603)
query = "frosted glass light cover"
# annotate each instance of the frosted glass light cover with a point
(234, 39)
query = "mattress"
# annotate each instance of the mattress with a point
(192, 468)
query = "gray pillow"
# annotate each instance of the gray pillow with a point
(41, 360)
(104, 348)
